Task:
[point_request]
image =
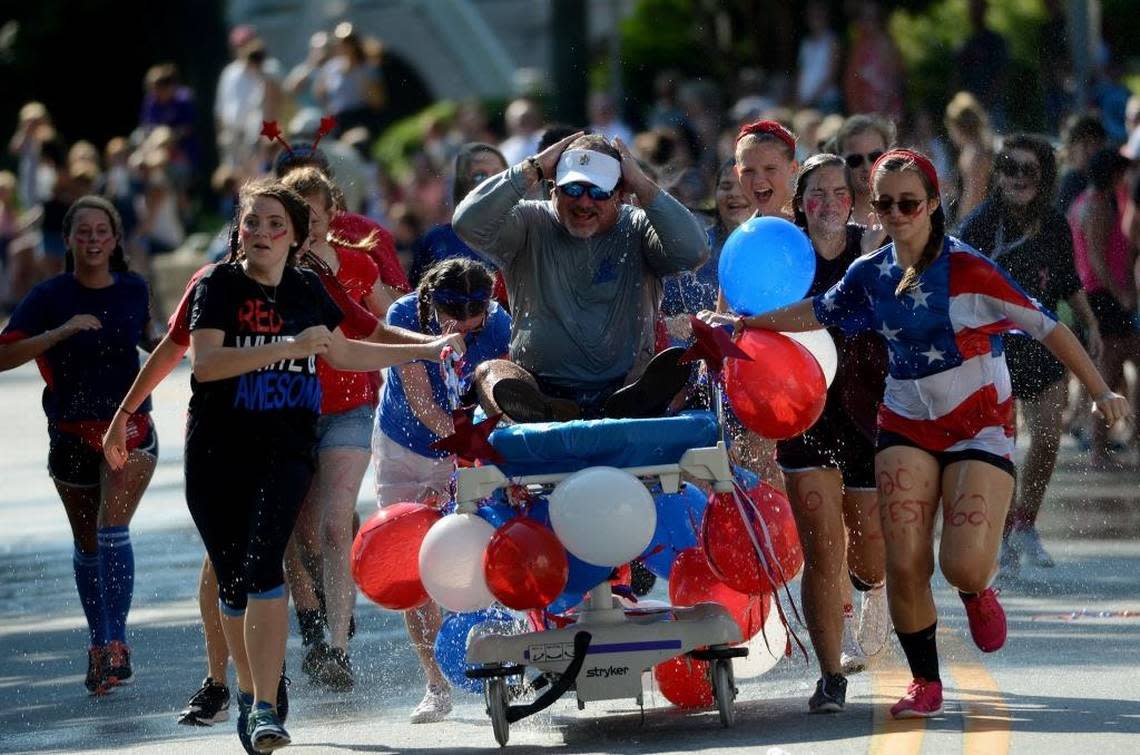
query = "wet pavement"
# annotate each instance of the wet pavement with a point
(1066, 678)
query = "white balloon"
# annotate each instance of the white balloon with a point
(822, 347)
(763, 655)
(603, 515)
(451, 562)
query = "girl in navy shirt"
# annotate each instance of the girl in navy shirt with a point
(83, 328)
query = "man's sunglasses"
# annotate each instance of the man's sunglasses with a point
(855, 160)
(578, 188)
(1008, 165)
(906, 206)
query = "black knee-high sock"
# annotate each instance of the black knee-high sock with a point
(921, 652)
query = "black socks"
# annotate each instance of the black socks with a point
(921, 652)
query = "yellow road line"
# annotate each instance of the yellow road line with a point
(891, 736)
(985, 712)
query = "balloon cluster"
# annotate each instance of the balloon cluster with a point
(781, 389)
(547, 555)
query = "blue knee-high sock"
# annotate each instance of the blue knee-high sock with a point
(117, 572)
(90, 589)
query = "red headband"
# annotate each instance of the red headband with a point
(921, 161)
(772, 128)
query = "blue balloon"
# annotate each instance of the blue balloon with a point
(766, 263)
(678, 526)
(451, 644)
(746, 477)
(497, 513)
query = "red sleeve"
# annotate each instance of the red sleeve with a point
(355, 228)
(662, 335)
(178, 326)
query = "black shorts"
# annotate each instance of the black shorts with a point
(75, 462)
(1113, 319)
(244, 498)
(1032, 367)
(834, 442)
(888, 439)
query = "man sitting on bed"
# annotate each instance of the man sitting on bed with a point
(583, 276)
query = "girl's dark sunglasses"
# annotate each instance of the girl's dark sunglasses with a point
(906, 206)
(1009, 166)
(855, 160)
(577, 189)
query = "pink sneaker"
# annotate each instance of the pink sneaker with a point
(987, 620)
(923, 699)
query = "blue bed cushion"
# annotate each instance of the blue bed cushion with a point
(559, 447)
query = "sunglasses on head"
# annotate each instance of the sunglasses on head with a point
(578, 188)
(855, 160)
(883, 205)
(1008, 165)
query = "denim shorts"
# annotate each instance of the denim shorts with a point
(350, 429)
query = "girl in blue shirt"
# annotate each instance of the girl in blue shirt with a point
(454, 296)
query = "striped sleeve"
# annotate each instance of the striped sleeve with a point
(984, 298)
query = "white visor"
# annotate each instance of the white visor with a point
(588, 166)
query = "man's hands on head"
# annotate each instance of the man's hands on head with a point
(548, 158)
(634, 177)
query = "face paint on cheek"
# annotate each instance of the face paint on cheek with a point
(278, 234)
(245, 234)
(812, 205)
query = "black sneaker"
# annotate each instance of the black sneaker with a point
(208, 706)
(523, 403)
(283, 695)
(117, 663)
(336, 671)
(641, 579)
(830, 694)
(265, 730)
(96, 681)
(651, 394)
(315, 660)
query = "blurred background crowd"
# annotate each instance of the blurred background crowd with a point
(165, 120)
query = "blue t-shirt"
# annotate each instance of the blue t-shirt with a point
(88, 374)
(439, 244)
(396, 418)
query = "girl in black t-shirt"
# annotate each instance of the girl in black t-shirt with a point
(257, 325)
(1019, 228)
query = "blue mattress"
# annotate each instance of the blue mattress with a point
(559, 447)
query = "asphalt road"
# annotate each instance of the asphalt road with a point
(1066, 681)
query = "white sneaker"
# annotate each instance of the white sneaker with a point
(1029, 541)
(434, 707)
(852, 659)
(874, 621)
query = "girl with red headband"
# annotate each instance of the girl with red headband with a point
(766, 168)
(946, 422)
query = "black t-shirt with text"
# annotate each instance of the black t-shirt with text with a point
(277, 404)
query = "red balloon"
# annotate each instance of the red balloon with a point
(781, 392)
(730, 550)
(386, 555)
(685, 682)
(692, 581)
(525, 565)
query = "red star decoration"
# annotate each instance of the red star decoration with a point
(328, 123)
(711, 345)
(469, 441)
(270, 130)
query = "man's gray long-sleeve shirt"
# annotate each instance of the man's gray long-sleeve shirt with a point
(583, 310)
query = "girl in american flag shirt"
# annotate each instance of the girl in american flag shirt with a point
(946, 422)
